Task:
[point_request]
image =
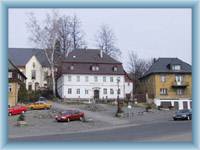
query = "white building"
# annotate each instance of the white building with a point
(91, 74)
(34, 65)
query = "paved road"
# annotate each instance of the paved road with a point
(165, 131)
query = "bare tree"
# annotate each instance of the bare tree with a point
(76, 33)
(105, 40)
(64, 34)
(45, 35)
(137, 67)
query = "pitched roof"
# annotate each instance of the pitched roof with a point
(163, 65)
(89, 55)
(20, 56)
(82, 61)
(11, 66)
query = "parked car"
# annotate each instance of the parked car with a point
(15, 110)
(69, 115)
(184, 114)
(39, 105)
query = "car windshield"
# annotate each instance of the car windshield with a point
(66, 112)
(183, 111)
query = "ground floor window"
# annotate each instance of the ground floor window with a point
(111, 91)
(104, 91)
(69, 91)
(86, 91)
(78, 91)
(9, 88)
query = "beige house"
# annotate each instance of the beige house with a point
(169, 83)
(16, 79)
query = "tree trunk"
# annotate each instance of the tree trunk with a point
(53, 80)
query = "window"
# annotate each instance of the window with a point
(111, 79)
(115, 69)
(45, 75)
(9, 88)
(9, 74)
(86, 92)
(179, 78)
(33, 74)
(33, 65)
(78, 78)
(179, 92)
(78, 91)
(95, 68)
(111, 91)
(71, 67)
(29, 86)
(176, 67)
(118, 79)
(163, 91)
(69, 91)
(104, 91)
(69, 78)
(104, 79)
(162, 78)
(119, 91)
(95, 78)
(86, 78)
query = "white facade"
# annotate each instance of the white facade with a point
(173, 101)
(74, 86)
(33, 65)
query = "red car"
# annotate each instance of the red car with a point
(16, 110)
(69, 115)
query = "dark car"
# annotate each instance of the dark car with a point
(69, 115)
(184, 114)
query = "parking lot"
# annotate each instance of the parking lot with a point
(98, 117)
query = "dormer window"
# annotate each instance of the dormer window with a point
(176, 67)
(114, 68)
(71, 67)
(95, 68)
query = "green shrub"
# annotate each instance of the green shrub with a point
(21, 118)
(22, 94)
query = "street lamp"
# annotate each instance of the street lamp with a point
(119, 103)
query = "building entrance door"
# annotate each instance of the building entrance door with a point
(96, 94)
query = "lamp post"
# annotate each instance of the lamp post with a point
(119, 104)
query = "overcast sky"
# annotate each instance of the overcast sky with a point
(151, 33)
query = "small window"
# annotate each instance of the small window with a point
(86, 92)
(180, 92)
(78, 91)
(93, 68)
(104, 79)
(111, 91)
(33, 64)
(104, 91)
(33, 74)
(69, 91)
(71, 67)
(29, 86)
(118, 79)
(95, 79)
(119, 91)
(111, 79)
(9, 74)
(162, 78)
(69, 78)
(97, 68)
(86, 78)
(9, 88)
(114, 68)
(78, 78)
(176, 67)
(163, 91)
(45, 75)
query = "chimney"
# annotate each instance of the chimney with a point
(101, 53)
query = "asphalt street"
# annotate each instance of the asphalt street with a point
(162, 131)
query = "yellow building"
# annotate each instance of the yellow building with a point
(169, 83)
(16, 79)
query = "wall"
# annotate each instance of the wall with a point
(13, 95)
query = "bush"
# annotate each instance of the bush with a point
(22, 94)
(21, 118)
(148, 107)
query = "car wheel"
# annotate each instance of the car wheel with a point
(68, 120)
